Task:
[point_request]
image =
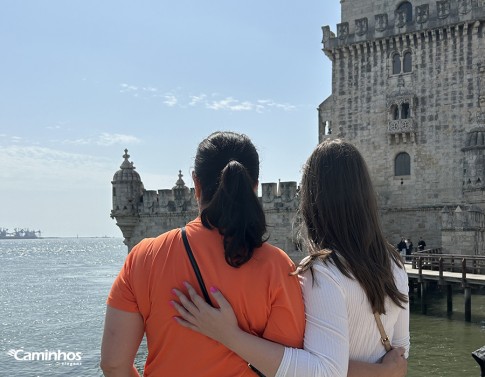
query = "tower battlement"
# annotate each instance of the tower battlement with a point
(142, 213)
(365, 21)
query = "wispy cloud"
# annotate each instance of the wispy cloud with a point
(170, 100)
(125, 88)
(260, 106)
(268, 103)
(194, 100)
(137, 90)
(104, 140)
(231, 104)
(31, 167)
(25, 167)
(10, 138)
(57, 125)
(214, 101)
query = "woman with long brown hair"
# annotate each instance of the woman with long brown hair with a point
(351, 273)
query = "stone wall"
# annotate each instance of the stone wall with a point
(412, 223)
(427, 107)
(144, 213)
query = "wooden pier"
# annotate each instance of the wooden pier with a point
(467, 271)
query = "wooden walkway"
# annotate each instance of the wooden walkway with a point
(447, 270)
(447, 277)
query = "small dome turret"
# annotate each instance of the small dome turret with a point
(180, 184)
(127, 172)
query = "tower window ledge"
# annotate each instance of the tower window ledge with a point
(399, 126)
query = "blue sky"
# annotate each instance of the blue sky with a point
(82, 80)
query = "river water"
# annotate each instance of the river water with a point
(52, 302)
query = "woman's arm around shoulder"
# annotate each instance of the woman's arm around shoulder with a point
(220, 324)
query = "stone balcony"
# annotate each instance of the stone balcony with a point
(401, 131)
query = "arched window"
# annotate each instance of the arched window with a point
(396, 64)
(407, 9)
(407, 62)
(405, 110)
(402, 164)
(395, 112)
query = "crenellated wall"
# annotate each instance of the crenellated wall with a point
(151, 212)
(362, 21)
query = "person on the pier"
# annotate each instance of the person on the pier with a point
(409, 248)
(402, 247)
(421, 244)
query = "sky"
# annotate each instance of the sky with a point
(82, 80)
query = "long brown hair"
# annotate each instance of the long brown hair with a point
(339, 209)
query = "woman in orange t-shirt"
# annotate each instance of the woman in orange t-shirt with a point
(228, 245)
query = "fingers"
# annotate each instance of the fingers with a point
(187, 304)
(187, 320)
(220, 299)
(185, 323)
(400, 350)
(194, 296)
(186, 315)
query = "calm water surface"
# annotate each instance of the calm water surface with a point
(52, 299)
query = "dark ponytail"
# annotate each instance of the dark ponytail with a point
(227, 167)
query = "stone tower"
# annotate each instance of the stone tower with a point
(406, 91)
(127, 194)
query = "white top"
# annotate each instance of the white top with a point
(340, 325)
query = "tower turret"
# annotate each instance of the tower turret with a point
(127, 196)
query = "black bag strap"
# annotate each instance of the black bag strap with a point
(195, 266)
(201, 282)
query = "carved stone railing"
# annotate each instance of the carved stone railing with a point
(401, 126)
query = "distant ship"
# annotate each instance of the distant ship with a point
(19, 234)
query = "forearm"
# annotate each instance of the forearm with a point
(261, 353)
(393, 365)
(362, 369)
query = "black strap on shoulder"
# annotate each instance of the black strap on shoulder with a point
(201, 282)
(195, 266)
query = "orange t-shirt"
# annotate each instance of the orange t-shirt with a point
(266, 299)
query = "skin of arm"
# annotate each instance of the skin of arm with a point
(401, 332)
(123, 332)
(401, 328)
(221, 325)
